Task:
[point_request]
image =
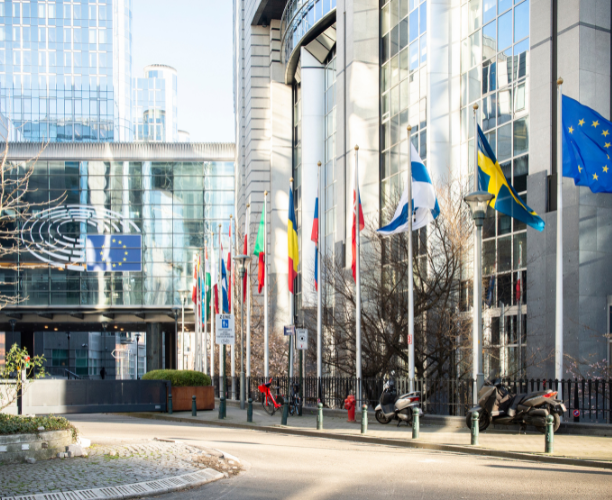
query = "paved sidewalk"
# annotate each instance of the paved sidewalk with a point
(576, 447)
(111, 466)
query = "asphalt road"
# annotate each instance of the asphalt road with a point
(293, 467)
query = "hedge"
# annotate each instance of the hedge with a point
(179, 378)
(12, 424)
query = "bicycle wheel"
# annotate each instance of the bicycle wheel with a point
(268, 405)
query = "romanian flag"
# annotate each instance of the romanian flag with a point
(315, 237)
(260, 252)
(491, 179)
(292, 241)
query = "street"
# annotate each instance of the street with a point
(292, 467)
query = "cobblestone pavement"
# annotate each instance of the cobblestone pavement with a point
(111, 466)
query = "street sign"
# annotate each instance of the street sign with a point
(290, 330)
(301, 342)
(576, 413)
(226, 334)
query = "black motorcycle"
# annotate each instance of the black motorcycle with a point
(497, 405)
(391, 407)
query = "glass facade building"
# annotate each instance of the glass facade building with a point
(65, 70)
(155, 105)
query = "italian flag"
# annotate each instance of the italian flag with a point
(260, 252)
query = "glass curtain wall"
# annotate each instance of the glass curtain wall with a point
(495, 74)
(58, 60)
(173, 205)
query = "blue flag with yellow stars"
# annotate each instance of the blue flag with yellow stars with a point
(113, 252)
(491, 179)
(587, 141)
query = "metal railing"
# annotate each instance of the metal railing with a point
(592, 398)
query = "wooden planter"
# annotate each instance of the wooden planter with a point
(181, 398)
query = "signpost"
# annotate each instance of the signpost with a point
(302, 339)
(225, 331)
(290, 330)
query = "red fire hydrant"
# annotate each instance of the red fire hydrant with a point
(350, 404)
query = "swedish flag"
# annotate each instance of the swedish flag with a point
(491, 179)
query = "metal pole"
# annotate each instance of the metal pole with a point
(519, 317)
(221, 349)
(559, 301)
(477, 361)
(320, 287)
(230, 296)
(292, 312)
(357, 282)
(183, 332)
(242, 381)
(248, 298)
(410, 339)
(205, 313)
(212, 314)
(266, 332)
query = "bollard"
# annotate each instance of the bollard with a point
(475, 428)
(221, 408)
(194, 408)
(320, 417)
(250, 411)
(415, 424)
(285, 413)
(364, 419)
(170, 404)
(550, 435)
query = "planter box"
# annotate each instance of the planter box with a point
(181, 398)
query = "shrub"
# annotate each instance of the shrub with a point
(13, 424)
(179, 378)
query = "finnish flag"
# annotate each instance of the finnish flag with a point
(425, 203)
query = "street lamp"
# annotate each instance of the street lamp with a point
(242, 260)
(137, 339)
(478, 202)
(183, 294)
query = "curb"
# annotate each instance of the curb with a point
(146, 488)
(385, 441)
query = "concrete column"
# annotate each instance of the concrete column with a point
(313, 151)
(154, 346)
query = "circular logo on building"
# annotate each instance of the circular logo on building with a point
(83, 237)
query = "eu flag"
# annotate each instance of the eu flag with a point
(114, 252)
(587, 139)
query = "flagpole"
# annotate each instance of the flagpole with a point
(222, 356)
(292, 312)
(559, 301)
(321, 215)
(231, 311)
(519, 325)
(212, 314)
(266, 337)
(410, 338)
(205, 315)
(248, 299)
(357, 282)
(198, 321)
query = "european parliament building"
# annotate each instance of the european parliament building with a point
(314, 78)
(104, 267)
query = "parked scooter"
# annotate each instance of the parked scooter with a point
(391, 407)
(497, 405)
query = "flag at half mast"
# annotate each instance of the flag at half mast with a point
(260, 253)
(292, 241)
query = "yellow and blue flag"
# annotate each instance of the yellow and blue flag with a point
(293, 253)
(113, 252)
(587, 140)
(491, 179)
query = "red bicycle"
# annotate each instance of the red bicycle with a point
(269, 402)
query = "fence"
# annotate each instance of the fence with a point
(592, 398)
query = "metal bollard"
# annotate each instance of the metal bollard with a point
(415, 424)
(320, 417)
(170, 404)
(285, 413)
(250, 411)
(475, 428)
(550, 435)
(221, 408)
(364, 419)
(194, 408)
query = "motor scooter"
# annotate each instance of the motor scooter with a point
(393, 407)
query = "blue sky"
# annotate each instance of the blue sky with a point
(195, 37)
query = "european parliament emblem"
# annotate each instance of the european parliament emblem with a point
(114, 252)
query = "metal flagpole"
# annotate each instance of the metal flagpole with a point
(212, 310)
(559, 302)
(204, 314)
(248, 299)
(357, 282)
(292, 312)
(410, 339)
(197, 321)
(266, 333)
(222, 380)
(477, 361)
(519, 316)
(320, 287)
(231, 297)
